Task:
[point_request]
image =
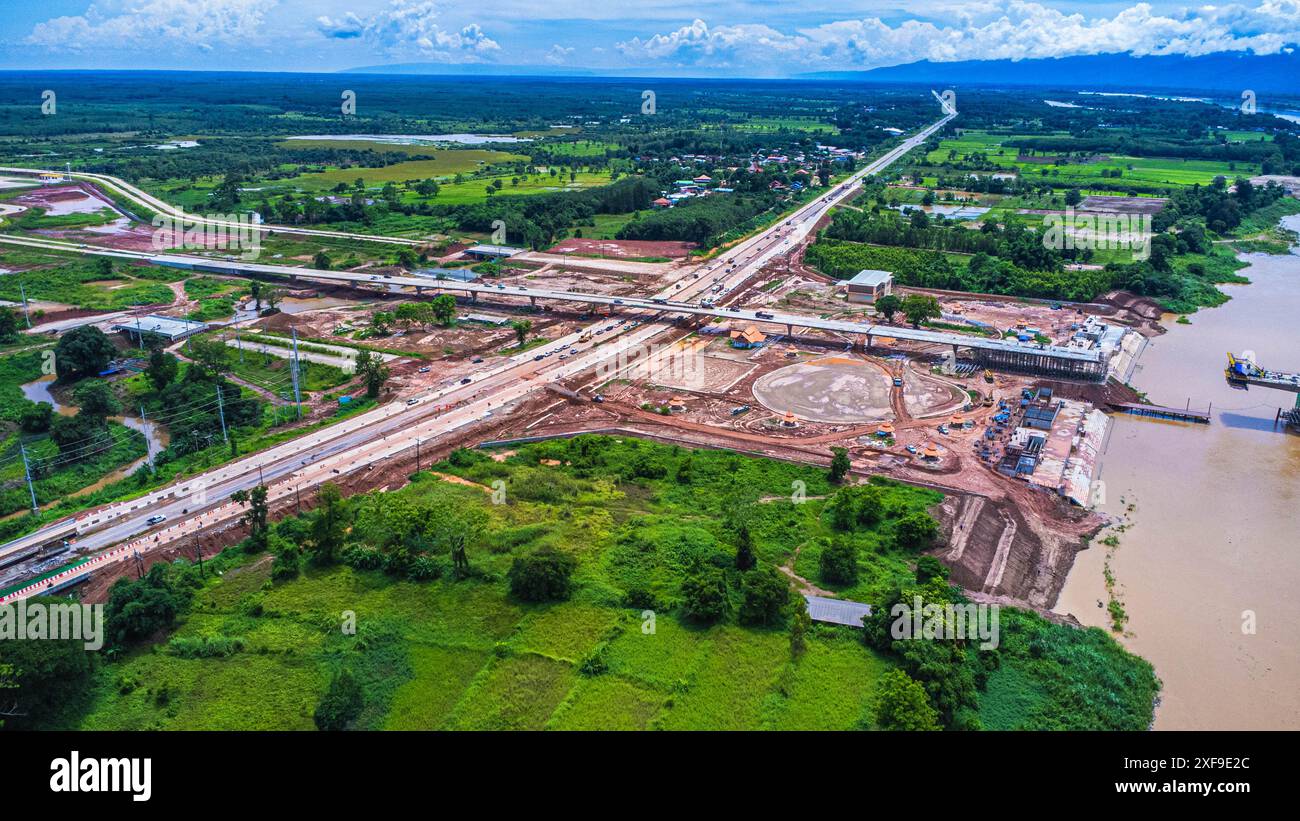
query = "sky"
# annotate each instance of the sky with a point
(743, 38)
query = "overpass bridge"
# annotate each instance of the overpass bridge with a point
(1002, 354)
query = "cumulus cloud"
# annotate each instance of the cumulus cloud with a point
(979, 31)
(558, 54)
(202, 24)
(410, 27)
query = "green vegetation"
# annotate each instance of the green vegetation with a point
(564, 607)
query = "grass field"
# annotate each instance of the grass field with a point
(1138, 170)
(465, 654)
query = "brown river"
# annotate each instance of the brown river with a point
(1208, 561)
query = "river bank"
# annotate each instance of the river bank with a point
(1203, 561)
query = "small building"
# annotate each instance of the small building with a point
(751, 337)
(677, 403)
(869, 285)
(1041, 415)
(836, 611)
(52, 177)
(492, 252)
(662, 202)
(171, 328)
(789, 420)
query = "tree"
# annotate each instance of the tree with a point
(373, 372)
(82, 351)
(840, 464)
(916, 531)
(37, 417)
(888, 305)
(96, 398)
(211, 357)
(744, 548)
(765, 595)
(919, 307)
(162, 369)
(855, 506)
(521, 328)
(800, 624)
(255, 290)
(341, 703)
(901, 704)
(444, 309)
(329, 525)
(543, 575)
(704, 595)
(38, 678)
(407, 258)
(255, 516)
(8, 325)
(839, 562)
(321, 261)
(928, 568)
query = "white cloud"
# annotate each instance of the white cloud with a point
(202, 24)
(558, 54)
(979, 31)
(410, 27)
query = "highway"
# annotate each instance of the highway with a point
(375, 435)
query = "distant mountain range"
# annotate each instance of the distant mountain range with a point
(1231, 72)
(1224, 72)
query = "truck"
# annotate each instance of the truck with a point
(764, 315)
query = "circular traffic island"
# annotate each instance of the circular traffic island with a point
(833, 389)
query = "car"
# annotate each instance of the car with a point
(573, 350)
(911, 448)
(599, 331)
(501, 287)
(538, 358)
(425, 369)
(466, 381)
(898, 382)
(412, 401)
(618, 302)
(598, 398)
(476, 360)
(609, 327)
(564, 356)
(156, 519)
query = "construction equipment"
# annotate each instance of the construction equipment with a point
(988, 376)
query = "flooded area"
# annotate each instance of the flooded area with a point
(954, 212)
(1206, 564)
(156, 436)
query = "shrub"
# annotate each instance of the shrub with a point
(543, 575)
(341, 704)
(765, 595)
(704, 595)
(839, 562)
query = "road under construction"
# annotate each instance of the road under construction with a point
(121, 531)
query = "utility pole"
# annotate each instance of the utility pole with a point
(148, 444)
(26, 313)
(27, 471)
(297, 496)
(221, 411)
(417, 455)
(297, 398)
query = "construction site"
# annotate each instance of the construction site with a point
(998, 403)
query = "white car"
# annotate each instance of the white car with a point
(156, 519)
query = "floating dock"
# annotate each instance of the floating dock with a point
(1160, 412)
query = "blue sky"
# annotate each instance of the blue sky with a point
(735, 37)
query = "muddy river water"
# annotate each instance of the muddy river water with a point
(1208, 563)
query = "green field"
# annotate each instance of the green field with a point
(253, 652)
(1148, 171)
